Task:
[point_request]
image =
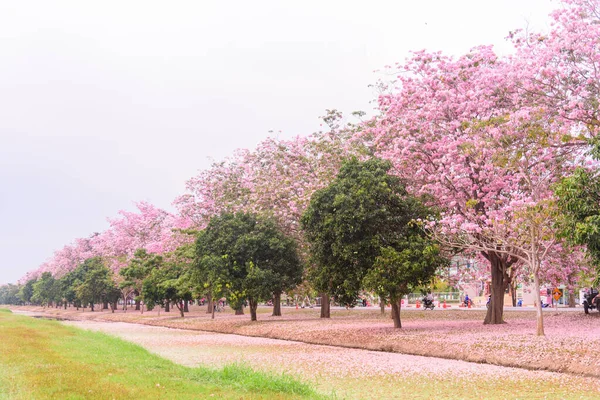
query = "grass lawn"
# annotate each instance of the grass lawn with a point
(41, 359)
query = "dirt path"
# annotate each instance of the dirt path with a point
(348, 373)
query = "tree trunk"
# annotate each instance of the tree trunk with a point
(513, 292)
(382, 306)
(137, 305)
(92, 306)
(65, 305)
(185, 306)
(168, 306)
(253, 306)
(277, 304)
(538, 305)
(571, 298)
(105, 305)
(211, 308)
(325, 306)
(396, 304)
(239, 310)
(499, 283)
(115, 305)
(181, 308)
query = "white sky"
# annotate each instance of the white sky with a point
(108, 102)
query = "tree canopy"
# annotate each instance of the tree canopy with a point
(236, 249)
(363, 224)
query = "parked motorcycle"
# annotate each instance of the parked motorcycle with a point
(545, 305)
(428, 304)
(591, 301)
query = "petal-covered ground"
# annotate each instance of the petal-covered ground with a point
(571, 344)
(352, 373)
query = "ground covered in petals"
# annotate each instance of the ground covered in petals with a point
(571, 344)
(351, 373)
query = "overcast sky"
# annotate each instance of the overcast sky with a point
(103, 103)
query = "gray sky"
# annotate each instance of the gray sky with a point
(108, 102)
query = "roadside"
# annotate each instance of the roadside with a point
(350, 373)
(47, 360)
(571, 344)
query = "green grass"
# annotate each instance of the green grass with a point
(42, 359)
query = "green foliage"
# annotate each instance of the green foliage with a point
(356, 224)
(245, 256)
(27, 291)
(95, 283)
(45, 290)
(139, 268)
(579, 201)
(401, 269)
(211, 274)
(259, 283)
(9, 294)
(67, 285)
(167, 281)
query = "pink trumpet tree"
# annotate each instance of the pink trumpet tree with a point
(563, 67)
(462, 132)
(276, 179)
(483, 138)
(432, 127)
(150, 228)
(66, 259)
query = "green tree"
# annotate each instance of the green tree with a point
(45, 290)
(258, 286)
(139, 268)
(579, 201)
(275, 260)
(167, 283)
(211, 274)
(69, 282)
(9, 294)
(401, 268)
(26, 291)
(357, 224)
(236, 249)
(97, 283)
(66, 289)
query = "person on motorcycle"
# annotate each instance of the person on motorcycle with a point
(428, 301)
(467, 300)
(593, 297)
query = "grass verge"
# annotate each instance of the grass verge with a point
(43, 359)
